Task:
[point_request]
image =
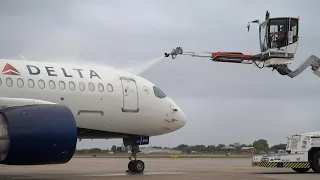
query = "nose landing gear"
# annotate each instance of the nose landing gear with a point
(135, 166)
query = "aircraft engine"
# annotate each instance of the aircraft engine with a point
(37, 135)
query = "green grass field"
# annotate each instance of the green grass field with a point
(158, 156)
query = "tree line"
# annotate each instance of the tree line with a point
(114, 149)
(259, 145)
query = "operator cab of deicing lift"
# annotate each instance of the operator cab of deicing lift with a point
(278, 39)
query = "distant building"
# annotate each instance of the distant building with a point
(228, 149)
(248, 150)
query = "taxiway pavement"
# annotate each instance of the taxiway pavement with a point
(156, 169)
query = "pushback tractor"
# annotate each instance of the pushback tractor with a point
(278, 37)
(302, 154)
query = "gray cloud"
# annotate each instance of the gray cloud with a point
(223, 102)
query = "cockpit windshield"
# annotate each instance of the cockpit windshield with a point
(158, 93)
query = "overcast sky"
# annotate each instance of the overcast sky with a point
(224, 103)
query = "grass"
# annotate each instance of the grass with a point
(158, 156)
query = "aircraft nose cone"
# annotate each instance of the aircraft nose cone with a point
(182, 119)
(178, 118)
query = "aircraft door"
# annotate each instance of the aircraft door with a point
(130, 95)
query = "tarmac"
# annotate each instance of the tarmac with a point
(156, 169)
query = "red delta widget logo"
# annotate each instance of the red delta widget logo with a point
(10, 70)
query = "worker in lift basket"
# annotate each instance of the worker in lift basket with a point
(281, 37)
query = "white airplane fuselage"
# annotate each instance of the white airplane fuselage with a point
(103, 99)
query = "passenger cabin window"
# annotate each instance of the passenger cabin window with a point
(110, 87)
(20, 82)
(72, 85)
(100, 87)
(91, 86)
(41, 84)
(31, 83)
(62, 85)
(81, 86)
(52, 84)
(158, 93)
(9, 82)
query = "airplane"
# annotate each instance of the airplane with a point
(46, 107)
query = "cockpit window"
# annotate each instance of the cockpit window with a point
(158, 92)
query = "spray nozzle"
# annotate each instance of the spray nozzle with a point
(174, 52)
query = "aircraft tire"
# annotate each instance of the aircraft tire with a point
(137, 166)
(130, 166)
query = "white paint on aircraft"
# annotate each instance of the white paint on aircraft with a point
(100, 98)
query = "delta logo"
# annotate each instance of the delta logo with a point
(50, 71)
(10, 70)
